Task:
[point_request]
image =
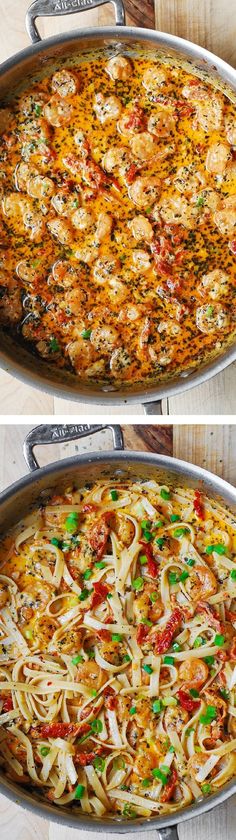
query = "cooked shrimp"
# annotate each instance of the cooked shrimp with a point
(201, 583)
(73, 301)
(108, 108)
(145, 190)
(65, 83)
(104, 338)
(230, 130)
(31, 103)
(65, 203)
(81, 219)
(104, 269)
(141, 228)
(40, 187)
(10, 301)
(188, 179)
(175, 718)
(194, 672)
(113, 652)
(143, 604)
(208, 108)
(61, 230)
(103, 227)
(117, 291)
(217, 158)
(196, 762)
(23, 172)
(119, 68)
(144, 146)
(28, 273)
(64, 274)
(225, 218)
(176, 210)
(169, 326)
(117, 157)
(44, 629)
(80, 353)
(14, 205)
(211, 318)
(119, 361)
(34, 222)
(162, 122)
(89, 673)
(86, 255)
(215, 284)
(124, 529)
(141, 260)
(153, 79)
(57, 111)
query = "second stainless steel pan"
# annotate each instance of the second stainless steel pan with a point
(33, 489)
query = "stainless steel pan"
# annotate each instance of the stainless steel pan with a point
(25, 65)
(30, 491)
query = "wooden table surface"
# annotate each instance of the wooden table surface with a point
(211, 23)
(213, 447)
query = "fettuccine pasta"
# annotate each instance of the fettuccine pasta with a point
(118, 649)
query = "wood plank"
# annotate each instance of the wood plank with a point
(210, 23)
(158, 439)
(216, 396)
(210, 446)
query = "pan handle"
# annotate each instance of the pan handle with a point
(170, 833)
(55, 8)
(153, 407)
(45, 434)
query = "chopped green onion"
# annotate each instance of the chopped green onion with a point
(146, 525)
(116, 637)
(206, 788)
(146, 783)
(128, 811)
(169, 700)
(189, 730)
(179, 532)
(45, 751)
(96, 725)
(143, 559)
(79, 791)
(86, 334)
(165, 494)
(157, 706)
(183, 576)
(190, 561)
(72, 521)
(209, 311)
(161, 774)
(148, 536)
(165, 769)
(114, 495)
(53, 345)
(109, 595)
(219, 640)
(137, 583)
(198, 642)
(91, 653)
(132, 710)
(218, 548)
(93, 692)
(153, 597)
(171, 749)
(200, 201)
(55, 541)
(158, 524)
(224, 693)
(210, 714)
(209, 660)
(37, 109)
(148, 669)
(160, 541)
(100, 564)
(99, 764)
(169, 660)
(173, 577)
(194, 692)
(176, 646)
(146, 622)
(77, 658)
(84, 594)
(87, 574)
(28, 633)
(233, 574)
(126, 658)
(174, 517)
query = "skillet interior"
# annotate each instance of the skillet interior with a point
(15, 74)
(30, 492)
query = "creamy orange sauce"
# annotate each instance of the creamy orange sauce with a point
(118, 219)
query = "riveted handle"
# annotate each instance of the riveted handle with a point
(170, 833)
(45, 434)
(55, 8)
